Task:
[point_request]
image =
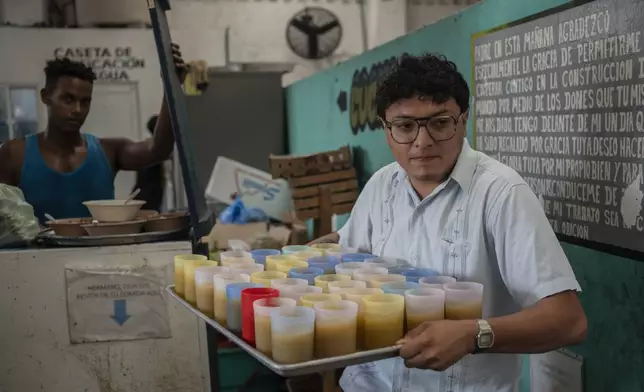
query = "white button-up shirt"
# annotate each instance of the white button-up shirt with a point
(483, 224)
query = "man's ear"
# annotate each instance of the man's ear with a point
(45, 96)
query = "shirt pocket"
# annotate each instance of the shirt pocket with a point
(455, 246)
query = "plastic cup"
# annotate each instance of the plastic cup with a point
(383, 320)
(367, 273)
(306, 254)
(235, 254)
(378, 280)
(340, 286)
(247, 269)
(282, 283)
(306, 273)
(388, 262)
(231, 262)
(248, 297)
(335, 328)
(325, 247)
(220, 282)
(323, 280)
(355, 295)
(286, 265)
(272, 260)
(463, 301)
(327, 263)
(399, 270)
(424, 304)
(436, 282)
(310, 300)
(296, 292)
(233, 304)
(356, 257)
(189, 266)
(259, 255)
(341, 252)
(265, 277)
(290, 249)
(179, 262)
(205, 289)
(414, 274)
(398, 288)
(292, 334)
(262, 308)
(349, 267)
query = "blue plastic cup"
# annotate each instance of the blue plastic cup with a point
(398, 287)
(259, 255)
(233, 304)
(414, 274)
(306, 273)
(399, 270)
(348, 257)
(326, 263)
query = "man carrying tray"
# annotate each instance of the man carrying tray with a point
(444, 206)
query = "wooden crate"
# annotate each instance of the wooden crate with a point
(288, 166)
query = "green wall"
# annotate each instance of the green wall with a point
(613, 287)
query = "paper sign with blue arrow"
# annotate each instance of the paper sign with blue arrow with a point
(120, 312)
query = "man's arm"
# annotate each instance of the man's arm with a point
(132, 155)
(7, 174)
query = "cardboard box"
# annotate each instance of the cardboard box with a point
(256, 235)
(256, 188)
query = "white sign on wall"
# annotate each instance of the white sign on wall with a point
(112, 64)
(116, 303)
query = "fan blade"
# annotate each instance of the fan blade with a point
(313, 47)
(327, 27)
(303, 27)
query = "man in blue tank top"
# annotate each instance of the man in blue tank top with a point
(60, 168)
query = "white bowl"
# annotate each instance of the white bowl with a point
(113, 210)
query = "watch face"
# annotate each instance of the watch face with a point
(486, 340)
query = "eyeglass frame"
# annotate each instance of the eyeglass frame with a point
(425, 120)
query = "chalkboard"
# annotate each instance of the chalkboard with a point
(560, 99)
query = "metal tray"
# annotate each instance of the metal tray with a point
(109, 240)
(299, 369)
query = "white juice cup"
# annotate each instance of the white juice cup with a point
(205, 289)
(335, 328)
(292, 334)
(262, 309)
(341, 286)
(285, 283)
(296, 292)
(366, 273)
(247, 269)
(424, 304)
(463, 301)
(436, 282)
(220, 281)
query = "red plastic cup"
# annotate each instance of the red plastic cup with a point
(248, 296)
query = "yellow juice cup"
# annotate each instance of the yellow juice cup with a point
(265, 277)
(179, 263)
(272, 260)
(383, 320)
(189, 266)
(309, 300)
(323, 280)
(286, 265)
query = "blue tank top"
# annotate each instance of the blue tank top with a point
(62, 194)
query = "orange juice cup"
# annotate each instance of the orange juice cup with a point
(189, 266)
(324, 280)
(179, 263)
(335, 328)
(272, 260)
(286, 265)
(296, 292)
(365, 274)
(356, 295)
(220, 281)
(265, 277)
(309, 300)
(262, 308)
(383, 320)
(378, 280)
(424, 304)
(436, 282)
(292, 334)
(205, 290)
(339, 286)
(463, 301)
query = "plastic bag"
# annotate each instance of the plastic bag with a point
(238, 213)
(17, 220)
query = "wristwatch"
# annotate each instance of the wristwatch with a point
(485, 337)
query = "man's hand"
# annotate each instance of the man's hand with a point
(437, 345)
(179, 65)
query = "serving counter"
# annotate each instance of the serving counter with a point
(35, 332)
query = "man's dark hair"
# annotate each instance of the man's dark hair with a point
(431, 76)
(62, 67)
(152, 122)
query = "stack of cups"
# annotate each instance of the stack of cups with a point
(292, 334)
(205, 289)
(220, 282)
(335, 328)
(262, 308)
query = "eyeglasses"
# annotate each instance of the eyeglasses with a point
(405, 130)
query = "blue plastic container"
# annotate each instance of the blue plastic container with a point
(398, 287)
(326, 263)
(259, 255)
(306, 273)
(233, 304)
(399, 270)
(348, 257)
(414, 274)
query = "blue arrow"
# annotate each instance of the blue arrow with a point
(120, 312)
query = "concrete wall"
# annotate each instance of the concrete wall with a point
(613, 290)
